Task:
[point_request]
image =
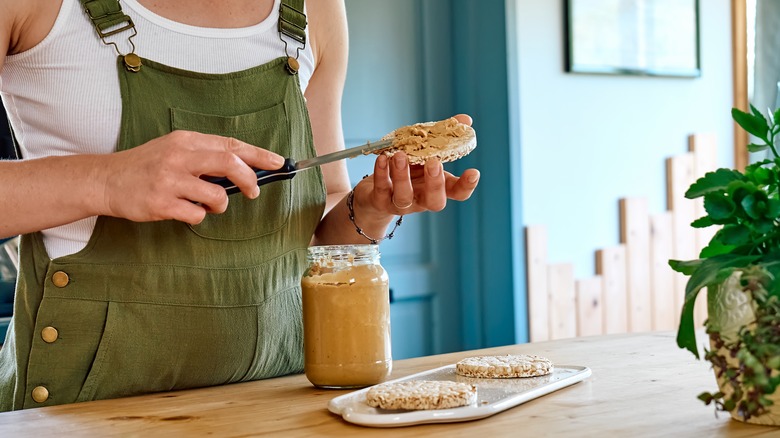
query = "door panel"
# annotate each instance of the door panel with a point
(384, 91)
(414, 315)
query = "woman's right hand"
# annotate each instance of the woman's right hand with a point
(162, 180)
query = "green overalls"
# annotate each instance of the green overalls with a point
(159, 306)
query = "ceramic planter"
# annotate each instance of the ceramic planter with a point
(729, 309)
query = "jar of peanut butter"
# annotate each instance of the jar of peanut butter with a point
(346, 317)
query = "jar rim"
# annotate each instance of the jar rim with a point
(338, 252)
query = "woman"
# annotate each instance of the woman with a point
(137, 274)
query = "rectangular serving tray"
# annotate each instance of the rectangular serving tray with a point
(493, 396)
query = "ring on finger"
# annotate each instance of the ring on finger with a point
(400, 207)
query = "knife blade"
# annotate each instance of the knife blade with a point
(291, 167)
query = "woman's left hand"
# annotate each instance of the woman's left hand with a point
(397, 188)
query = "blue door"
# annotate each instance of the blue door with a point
(457, 276)
(385, 89)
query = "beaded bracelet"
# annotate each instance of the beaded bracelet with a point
(350, 206)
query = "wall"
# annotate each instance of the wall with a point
(588, 140)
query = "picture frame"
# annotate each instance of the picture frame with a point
(633, 37)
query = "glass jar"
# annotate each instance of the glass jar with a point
(346, 317)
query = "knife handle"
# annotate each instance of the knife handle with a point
(287, 171)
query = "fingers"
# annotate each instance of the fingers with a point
(221, 163)
(234, 159)
(162, 179)
(383, 186)
(402, 192)
(460, 189)
(464, 118)
(435, 188)
(185, 211)
(254, 156)
(399, 188)
(211, 197)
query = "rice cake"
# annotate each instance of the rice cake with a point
(421, 395)
(447, 140)
(502, 367)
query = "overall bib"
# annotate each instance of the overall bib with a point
(159, 306)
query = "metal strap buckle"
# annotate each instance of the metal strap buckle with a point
(108, 19)
(129, 25)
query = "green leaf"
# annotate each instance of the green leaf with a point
(755, 111)
(713, 181)
(715, 248)
(759, 175)
(735, 235)
(702, 222)
(752, 167)
(686, 335)
(777, 116)
(739, 189)
(686, 267)
(773, 210)
(754, 123)
(763, 226)
(752, 147)
(718, 206)
(755, 204)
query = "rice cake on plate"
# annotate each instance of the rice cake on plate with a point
(421, 395)
(504, 367)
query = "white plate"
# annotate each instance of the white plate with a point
(493, 396)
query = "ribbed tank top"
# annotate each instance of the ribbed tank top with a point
(62, 96)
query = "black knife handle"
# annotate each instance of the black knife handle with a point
(287, 171)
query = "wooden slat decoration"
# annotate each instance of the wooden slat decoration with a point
(634, 288)
(665, 313)
(611, 266)
(635, 235)
(563, 311)
(538, 298)
(590, 315)
(680, 175)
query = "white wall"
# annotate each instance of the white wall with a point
(588, 140)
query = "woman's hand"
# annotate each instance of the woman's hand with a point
(162, 178)
(396, 188)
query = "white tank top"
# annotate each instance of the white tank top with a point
(62, 96)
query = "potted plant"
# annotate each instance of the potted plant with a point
(740, 267)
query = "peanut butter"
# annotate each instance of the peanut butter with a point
(346, 321)
(424, 139)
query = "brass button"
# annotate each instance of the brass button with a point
(49, 334)
(40, 394)
(132, 62)
(292, 66)
(60, 279)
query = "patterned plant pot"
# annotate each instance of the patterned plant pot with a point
(729, 309)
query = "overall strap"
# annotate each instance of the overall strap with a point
(108, 19)
(292, 20)
(292, 23)
(106, 14)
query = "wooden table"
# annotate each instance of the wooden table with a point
(642, 385)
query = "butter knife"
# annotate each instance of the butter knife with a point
(291, 167)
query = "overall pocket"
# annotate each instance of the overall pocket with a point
(245, 218)
(148, 348)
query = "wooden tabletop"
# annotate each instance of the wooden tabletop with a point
(642, 385)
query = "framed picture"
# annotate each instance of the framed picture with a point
(639, 37)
